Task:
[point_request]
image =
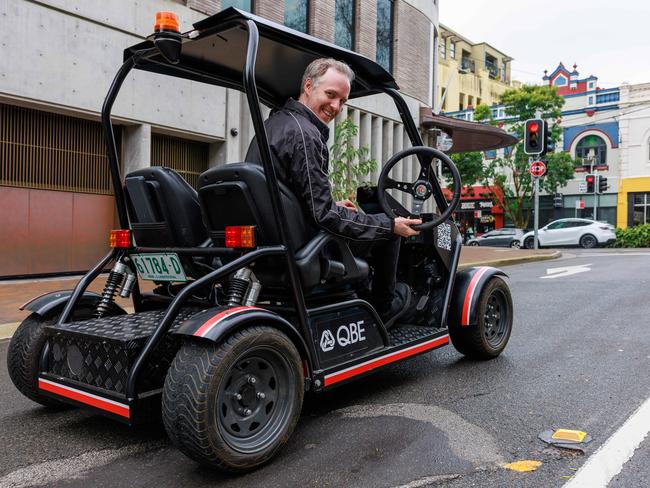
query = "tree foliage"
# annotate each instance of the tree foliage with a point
(509, 174)
(349, 166)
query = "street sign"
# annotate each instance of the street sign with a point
(537, 169)
(580, 204)
(582, 187)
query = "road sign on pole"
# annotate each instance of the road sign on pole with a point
(537, 169)
(582, 187)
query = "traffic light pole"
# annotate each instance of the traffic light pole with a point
(596, 195)
(536, 206)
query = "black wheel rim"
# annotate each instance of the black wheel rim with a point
(529, 244)
(255, 399)
(588, 242)
(496, 319)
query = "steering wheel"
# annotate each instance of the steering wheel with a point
(421, 190)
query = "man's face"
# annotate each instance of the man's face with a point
(328, 95)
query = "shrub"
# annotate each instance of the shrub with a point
(637, 236)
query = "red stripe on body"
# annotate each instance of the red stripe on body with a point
(205, 328)
(469, 294)
(83, 397)
(383, 360)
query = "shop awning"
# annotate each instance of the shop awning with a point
(467, 136)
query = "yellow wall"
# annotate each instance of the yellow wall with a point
(629, 185)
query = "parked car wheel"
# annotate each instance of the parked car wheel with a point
(233, 405)
(588, 241)
(473, 243)
(515, 244)
(529, 243)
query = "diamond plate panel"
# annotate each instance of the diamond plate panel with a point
(405, 334)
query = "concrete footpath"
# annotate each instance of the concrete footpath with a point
(14, 293)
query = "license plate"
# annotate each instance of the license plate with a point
(159, 267)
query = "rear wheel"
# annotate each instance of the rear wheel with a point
(234, 405)
(473, 243)
(488, 337)
(588, 241)
(529, 243)
(25, 351)
(515, 244)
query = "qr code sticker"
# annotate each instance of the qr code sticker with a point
(444, 236)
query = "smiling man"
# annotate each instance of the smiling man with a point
(298, 135)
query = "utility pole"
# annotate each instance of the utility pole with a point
(536, 205)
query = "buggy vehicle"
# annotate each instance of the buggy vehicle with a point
(253, 307)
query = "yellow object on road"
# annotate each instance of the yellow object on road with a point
(569, 435)
(524, 466)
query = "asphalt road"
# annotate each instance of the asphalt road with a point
(578, 359)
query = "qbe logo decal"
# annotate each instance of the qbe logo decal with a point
(346, 335)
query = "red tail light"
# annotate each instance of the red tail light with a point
(240, 236)
(120, 238)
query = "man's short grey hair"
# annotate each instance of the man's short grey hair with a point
(318, 67)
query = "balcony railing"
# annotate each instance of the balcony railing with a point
(467, 64)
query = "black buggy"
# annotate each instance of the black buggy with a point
(252, 307)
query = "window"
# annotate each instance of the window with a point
(344, 23)
(246, 5)
(641, 209)
(385, 34)
(591, 101)
(591, 85)
(560, 81)
(559, 224)
(452, 50)
(296, 14)
(607, 97)
(443, 49)
(593, 150)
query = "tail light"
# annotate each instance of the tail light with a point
(240, 236)
(120, 238)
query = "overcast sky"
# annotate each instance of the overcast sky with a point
(609, 39)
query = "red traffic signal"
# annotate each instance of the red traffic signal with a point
(534, 136)
(591, 183)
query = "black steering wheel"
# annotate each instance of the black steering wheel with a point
(422, 189)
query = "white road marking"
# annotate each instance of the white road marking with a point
(429, 480)
(566, 271)
(482, 450)
(609, 459)
(51, 472)
(606, 254)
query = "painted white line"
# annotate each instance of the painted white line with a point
(609, 459)
(566, 271)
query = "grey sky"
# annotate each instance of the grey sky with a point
(609, 39)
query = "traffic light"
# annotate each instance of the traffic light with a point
(534, 136)
(558, 200)
(591, 183)
(549, 145)
(602, 184)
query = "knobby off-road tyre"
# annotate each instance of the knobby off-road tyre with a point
(488, 337)
(215, 414)
(24, 355)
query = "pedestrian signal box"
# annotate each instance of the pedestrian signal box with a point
(534, 136)
(591, 183)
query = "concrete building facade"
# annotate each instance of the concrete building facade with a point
(58, 60)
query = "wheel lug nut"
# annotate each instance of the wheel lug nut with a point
(248, 411)
(252, 380)
(237, 396)
(261, 395)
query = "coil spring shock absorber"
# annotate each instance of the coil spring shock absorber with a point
(238, 287)
(114, 280)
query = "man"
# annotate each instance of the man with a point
(298, 135)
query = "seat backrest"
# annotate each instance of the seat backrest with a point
(237, 194)
(164, 209)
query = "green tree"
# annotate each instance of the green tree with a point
(349, 166)
(510, 174)
(482, 112)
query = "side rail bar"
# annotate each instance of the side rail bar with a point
(175, 305)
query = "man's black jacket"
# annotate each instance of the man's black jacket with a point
(298, 141)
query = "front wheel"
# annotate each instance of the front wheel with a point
(529, 243)
(487, 338)
(473, 243)
(515, 244)
(233, 405)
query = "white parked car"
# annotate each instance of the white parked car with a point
(572, 232)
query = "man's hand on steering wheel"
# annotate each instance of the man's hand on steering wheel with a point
(403, 226)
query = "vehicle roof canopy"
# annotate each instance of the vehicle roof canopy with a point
(215, 53)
